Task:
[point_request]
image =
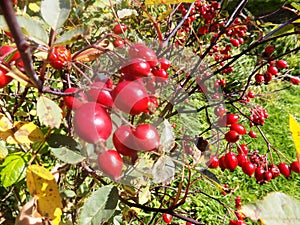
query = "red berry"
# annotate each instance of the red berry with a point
(213, 162)
(274, 170)
(139, 50)
(234, 42)
(123, 140)
(238, 202)
(268, 176)
(130, 97)
(4, 79)
(232, 136)
(238, 128)
(231, 118)
(284, 169)
(118, 43)
(189, 223)
(167, 218)
(222, 162)
(248, 168)
(99, 93)
(272, 70)
(59, 57)
(92, 123)
(160, 75)
(136, 68)
(243, 148)
(251, 94)
(231, 161)
(252, 134)
(281, 64)
(119, 28)
(259, 78)
(267, 77)
(269, 49)
(260, 174)
(295, 166)
(164, 63)
(10, 54)
(295, 80)
(110, 163)
(220, 111)
(74, 102)
(146, 137)
(242, 158)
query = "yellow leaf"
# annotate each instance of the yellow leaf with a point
(34, 7)
(5, 123)
(25, 133)
(41, 183)
(153, 2)
(295, 130)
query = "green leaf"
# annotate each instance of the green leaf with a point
(48, 112)
(3, 150)
(100, 206)
(275, 209)
(296, 5)
(59, 140)
(66, 155)
(72, 35)
(31, 27)
(13, 169)
(55, 12)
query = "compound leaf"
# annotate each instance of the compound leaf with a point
(100, 206)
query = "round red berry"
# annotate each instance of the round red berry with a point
(59, 57)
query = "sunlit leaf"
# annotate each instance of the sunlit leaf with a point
(25, 133)
(55, 12)
(31, 27)
(34, 7)
(163, 170)
(42, 185)
(152, 2)
(275, 209)
(71, 36)
(296, 5)
(295, 130)
(100, 206)
(5, 123)
(48, 112)
(167, 137)
(104, 3)
(126, 12)
(13, 169)
(3, 150)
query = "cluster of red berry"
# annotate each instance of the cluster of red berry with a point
(8, 55)
(129, 95)
(240, 217)
(251, 163)
(258, 116)
(273, 68)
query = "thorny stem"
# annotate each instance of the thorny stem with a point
(22, 46)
